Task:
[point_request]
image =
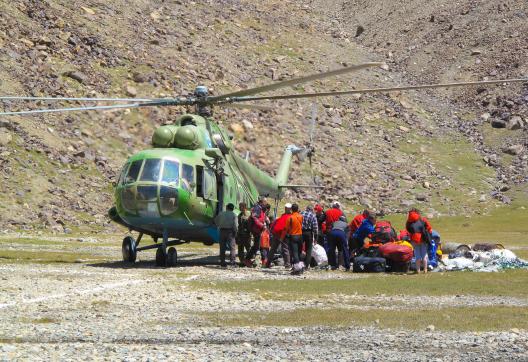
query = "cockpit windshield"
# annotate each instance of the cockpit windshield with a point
(171, 172)
(151, 170)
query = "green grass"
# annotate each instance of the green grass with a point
(43, 320)
(46, 257)
(475, 319)
(510, 283)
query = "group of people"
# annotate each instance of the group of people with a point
(296, 232)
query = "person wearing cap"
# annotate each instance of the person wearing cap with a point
(337, 239)
(278, 237)
(309, 232)
(294, 236)
(258, 223)
(332, 215)
(227, 222)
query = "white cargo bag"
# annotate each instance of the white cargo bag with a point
(319, 255)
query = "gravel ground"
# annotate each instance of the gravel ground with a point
(105, 311)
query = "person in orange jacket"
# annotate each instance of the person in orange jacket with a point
(294, 235)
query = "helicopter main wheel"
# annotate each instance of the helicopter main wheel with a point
(128, 248)
(161, 257)
(172, 257)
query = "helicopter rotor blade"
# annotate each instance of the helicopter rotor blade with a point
(256, 107)
(375, 90)
(76, 99)
(291, 82)
(161, 102)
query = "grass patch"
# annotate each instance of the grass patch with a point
(43, 320)
(476, 319)
(45, 257)
(510, 283)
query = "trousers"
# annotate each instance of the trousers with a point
(285, 250)
(308, 240)
(295, 242)
(337, 239)
(227, 240)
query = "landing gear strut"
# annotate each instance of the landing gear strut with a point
(166, 254)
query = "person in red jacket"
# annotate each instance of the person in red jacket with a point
(278, 237)
(333, 215)
(420, 235)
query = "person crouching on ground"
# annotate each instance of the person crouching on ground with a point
(365, 230)
(294, 235)
(309, 232)
(353, 226)
(338, 238)
(420, 238)
(227, 222)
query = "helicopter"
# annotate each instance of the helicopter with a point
(174, 190)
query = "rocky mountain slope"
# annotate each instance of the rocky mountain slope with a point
(436, 149)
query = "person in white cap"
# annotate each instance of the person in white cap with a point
(278, 237)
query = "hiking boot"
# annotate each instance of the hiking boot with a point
(223, 265)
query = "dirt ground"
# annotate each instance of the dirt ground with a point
(97, 308)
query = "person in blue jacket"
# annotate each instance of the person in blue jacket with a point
(366, 229)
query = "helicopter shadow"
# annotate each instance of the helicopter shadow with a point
(184, 261)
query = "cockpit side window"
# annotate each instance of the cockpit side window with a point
(133, 171)
(151, 170)
(121, 179)
(187, 177)
(171, 172)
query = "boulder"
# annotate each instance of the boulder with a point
(5, 137)
(498, 123)
(514, 150)
(237, 128)
(515, 123)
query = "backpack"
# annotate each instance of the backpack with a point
(383, 233)
(243, 224)
(265, 239)
(364, 264)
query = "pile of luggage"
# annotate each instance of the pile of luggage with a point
(384, 252)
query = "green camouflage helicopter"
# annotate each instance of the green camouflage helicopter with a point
(174, 190)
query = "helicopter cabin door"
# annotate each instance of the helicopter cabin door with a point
(207, 189)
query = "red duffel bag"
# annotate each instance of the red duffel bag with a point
(396, 252)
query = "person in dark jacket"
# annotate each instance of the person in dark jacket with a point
(243, 238)
(337, 239)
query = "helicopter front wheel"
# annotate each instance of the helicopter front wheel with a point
(172, 257)
(161, 257)
(128, 248)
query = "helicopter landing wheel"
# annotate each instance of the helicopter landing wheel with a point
(161, 257)
(128, 248)
(172, 257)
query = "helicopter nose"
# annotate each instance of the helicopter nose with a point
(151, 200)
